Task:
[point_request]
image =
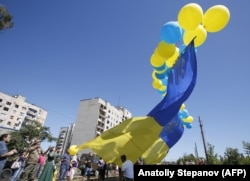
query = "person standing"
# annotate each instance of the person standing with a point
(17, 172)
(101, 169)
(127, 169)
(29, 171)
(88, 165)
(49, 168)
(4, 153)
(71, 170)
(41, 163)
(65, 162)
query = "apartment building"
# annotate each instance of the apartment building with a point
(65, 137)
(15, 111)
(94, 117)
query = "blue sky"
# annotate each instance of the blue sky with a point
(60, 52)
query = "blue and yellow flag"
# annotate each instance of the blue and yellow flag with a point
(153, 135)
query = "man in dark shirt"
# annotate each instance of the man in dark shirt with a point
(65, 161)
(88, 165)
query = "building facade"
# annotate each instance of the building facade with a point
(94, 117)
(15, 111)
(64, 138)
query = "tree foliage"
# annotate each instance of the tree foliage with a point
(186, 159)
(246, 147)
(213, 158)
(5, 18)
(30, 131)
(231, 156)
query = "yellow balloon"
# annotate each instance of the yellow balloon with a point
(216, 18)
(162, 88)
(200, 35)
(156, 61)
(170, 64)
(182, 106)
(153, 75)
(164, 50)
(189, 119)
(190, 16)
(172, 60)
(73, 150)
(156, 83)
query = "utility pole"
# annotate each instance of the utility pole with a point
(203, 139)
(196, 151)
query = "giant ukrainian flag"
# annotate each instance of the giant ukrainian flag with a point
(153, 135)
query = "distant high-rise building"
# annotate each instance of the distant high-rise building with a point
(64, 138)
(14, 112)
(94, 117)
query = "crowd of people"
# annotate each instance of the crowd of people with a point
(37, 164)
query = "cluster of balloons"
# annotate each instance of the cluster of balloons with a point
(192, 23)
(186, 119)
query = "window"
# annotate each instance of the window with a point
(5, 109)
(9, 123)
(16, 106)
(8, 103)
(11, 117)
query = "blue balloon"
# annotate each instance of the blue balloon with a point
(165, 80)
(187, 125)
(160, 75)
(162, 67)
(171, 32)
(161, 92)
(184, 113)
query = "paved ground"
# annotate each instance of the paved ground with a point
(111, 177)
(80, 178)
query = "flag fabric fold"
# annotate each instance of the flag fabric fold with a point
(153, 135)
(181, 82)
(170, 134)
(132, 137)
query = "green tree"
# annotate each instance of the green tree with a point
(213, 158)
(22, 138)
(5, 18)
(232, 156)
(245, 161)
(187, 159)
(246, 147)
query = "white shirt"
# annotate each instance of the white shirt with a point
(128, 169)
